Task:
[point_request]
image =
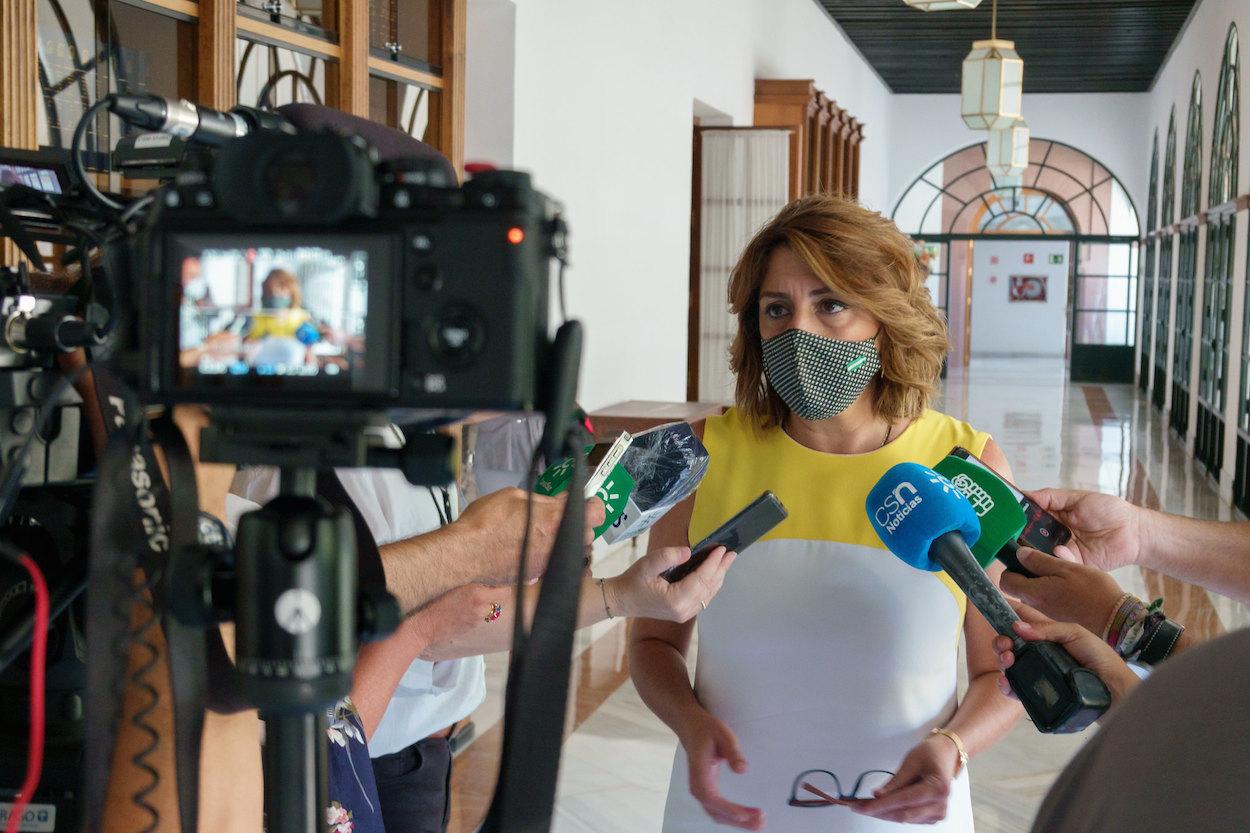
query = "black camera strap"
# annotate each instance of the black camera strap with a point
(189, 669)
(538, 676)
(538, 685)
(368, 556)
(138, 523)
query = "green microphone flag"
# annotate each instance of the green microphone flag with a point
(609, 480)
(1002, 519)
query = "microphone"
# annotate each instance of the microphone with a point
(608, 479)
(190, 121)
(667, 463)
(1002, 519)
(925, 520)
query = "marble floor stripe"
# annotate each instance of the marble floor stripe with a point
(1100, 409)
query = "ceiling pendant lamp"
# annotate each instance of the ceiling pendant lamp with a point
(1007, 150)
(993, 82)
(942, 5)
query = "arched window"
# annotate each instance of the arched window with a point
(1148, 268)
(1062, 192)
(1187, 261)
(1226, 141)
(1218, 274)
(1167, 217)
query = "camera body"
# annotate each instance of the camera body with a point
(293, 271)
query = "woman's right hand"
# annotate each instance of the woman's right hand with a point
(709, 742)
(641, 592)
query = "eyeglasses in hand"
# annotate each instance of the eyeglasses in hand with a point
(821, 788)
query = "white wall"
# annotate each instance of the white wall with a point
(1107, 126)
(604, 98)
(1032, 328)
(490, 82)
(1201, 48)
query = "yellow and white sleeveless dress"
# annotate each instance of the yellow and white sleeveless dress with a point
(822, 650)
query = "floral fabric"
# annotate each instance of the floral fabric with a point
(354, 805)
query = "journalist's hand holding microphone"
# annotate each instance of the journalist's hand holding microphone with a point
(1109, 532)
(1068, 591)
(1084, 646)
(496, 522)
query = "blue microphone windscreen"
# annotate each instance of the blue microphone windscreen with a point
(913, 505)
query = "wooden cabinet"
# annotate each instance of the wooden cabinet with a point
(825, 150)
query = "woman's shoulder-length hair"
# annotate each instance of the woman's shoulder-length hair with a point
(869, 264)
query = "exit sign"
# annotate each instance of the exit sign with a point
(1056, 258)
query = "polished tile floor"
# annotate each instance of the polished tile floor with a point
(617, 756)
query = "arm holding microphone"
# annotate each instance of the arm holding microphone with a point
(1069, 591)
(658, 467)
(1084, 646)
(480, 547)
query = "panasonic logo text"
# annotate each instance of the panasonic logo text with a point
(153, 524)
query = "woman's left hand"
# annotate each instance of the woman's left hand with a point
(918, 792)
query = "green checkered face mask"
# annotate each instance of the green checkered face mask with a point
(819, 377)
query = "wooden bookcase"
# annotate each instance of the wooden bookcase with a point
(825, 152)
(209, 53)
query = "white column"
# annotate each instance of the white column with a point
(1195, 352)
(1171, 346)
(1236, 330)
(1142, 301)
(1151, 253)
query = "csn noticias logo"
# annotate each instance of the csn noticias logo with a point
(897, 505)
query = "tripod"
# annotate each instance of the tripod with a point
(295, 613)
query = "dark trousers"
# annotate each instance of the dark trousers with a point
(414, 785)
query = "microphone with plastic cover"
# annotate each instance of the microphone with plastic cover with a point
(925, 520)
(667, 463)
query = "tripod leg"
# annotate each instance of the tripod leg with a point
(295, 772)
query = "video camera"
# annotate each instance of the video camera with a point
(412, 293)
(306, 287)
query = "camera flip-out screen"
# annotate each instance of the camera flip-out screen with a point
(299, 313)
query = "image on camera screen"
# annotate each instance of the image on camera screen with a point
(40, 179)
(289, 312)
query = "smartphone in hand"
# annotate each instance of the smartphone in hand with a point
(739, 532)
(1042, 530)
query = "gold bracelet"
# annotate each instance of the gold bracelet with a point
(1115, 608)
(959, 745)
(604, 591)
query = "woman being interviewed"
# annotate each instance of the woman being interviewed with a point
(824, 657)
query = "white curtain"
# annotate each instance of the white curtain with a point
(745, 183)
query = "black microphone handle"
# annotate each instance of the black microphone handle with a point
(957, 560)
